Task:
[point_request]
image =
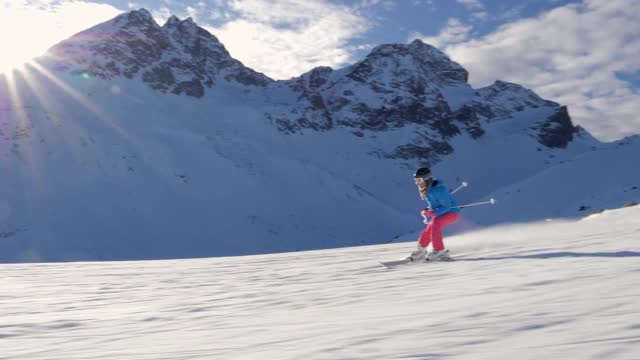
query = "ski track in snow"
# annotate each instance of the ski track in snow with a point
(559, 290)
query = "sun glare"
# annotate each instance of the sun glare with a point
(10, 63)
(18, 42)
(27, 31)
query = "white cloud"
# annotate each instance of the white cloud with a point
(193, 13)
(454, 32)
(571, 55)
(286, 38)
(216, 14)
(471, 4)
(198, 12)
(480, 15)
(43, 23)
(386, 4)
(476, 8)
(161, 15)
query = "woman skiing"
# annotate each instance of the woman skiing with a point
(442, 208)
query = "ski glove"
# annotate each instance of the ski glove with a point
(428, 212)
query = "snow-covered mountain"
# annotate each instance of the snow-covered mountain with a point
(557, 290)
(132, 140)
(179, 57)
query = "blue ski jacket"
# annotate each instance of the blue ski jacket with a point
(440, 200)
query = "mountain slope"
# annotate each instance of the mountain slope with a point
(552, 290)
(603, 178)
(132, 140)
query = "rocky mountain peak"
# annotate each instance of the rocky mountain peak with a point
(135, 19)
(172, 21)
(512, 97)
(187, 25)
(500, 86)
(189, 35)
(410, 61)
(313, 80)
(179, 57)
(414, 85)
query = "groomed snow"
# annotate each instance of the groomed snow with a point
(551, 290)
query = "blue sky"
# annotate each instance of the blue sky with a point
(583, 54)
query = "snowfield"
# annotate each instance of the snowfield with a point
(552, 290)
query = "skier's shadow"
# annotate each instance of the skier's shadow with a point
(561, 254)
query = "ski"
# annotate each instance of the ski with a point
(394, 263)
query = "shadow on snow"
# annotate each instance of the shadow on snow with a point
(562, 254)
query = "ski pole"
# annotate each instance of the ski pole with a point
(464, 184)
(491, 201)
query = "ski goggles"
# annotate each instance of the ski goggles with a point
(421, 180)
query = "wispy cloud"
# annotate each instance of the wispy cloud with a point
(429, 3)
(161, 14)
(386, 4)
(572, 54)
(286, 38)
(453, 33)
(471, 4)
(476, 8)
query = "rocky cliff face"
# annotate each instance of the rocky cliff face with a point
(398, 86)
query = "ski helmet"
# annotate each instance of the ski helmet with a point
(423, 173)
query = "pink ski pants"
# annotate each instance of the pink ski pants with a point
(433, 231)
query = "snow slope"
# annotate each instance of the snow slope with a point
(137, 174)
(124, 172)
(554, 290)
(603, 178)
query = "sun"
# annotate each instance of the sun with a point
(15, 53)
(18, 44)
(11, 62)
(29, 28)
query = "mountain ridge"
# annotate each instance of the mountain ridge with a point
(398, 83)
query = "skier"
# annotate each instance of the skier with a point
(442, 208)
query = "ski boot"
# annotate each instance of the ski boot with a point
(439, 255)
(418, 254)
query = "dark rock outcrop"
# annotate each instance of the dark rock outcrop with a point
(557, 130)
